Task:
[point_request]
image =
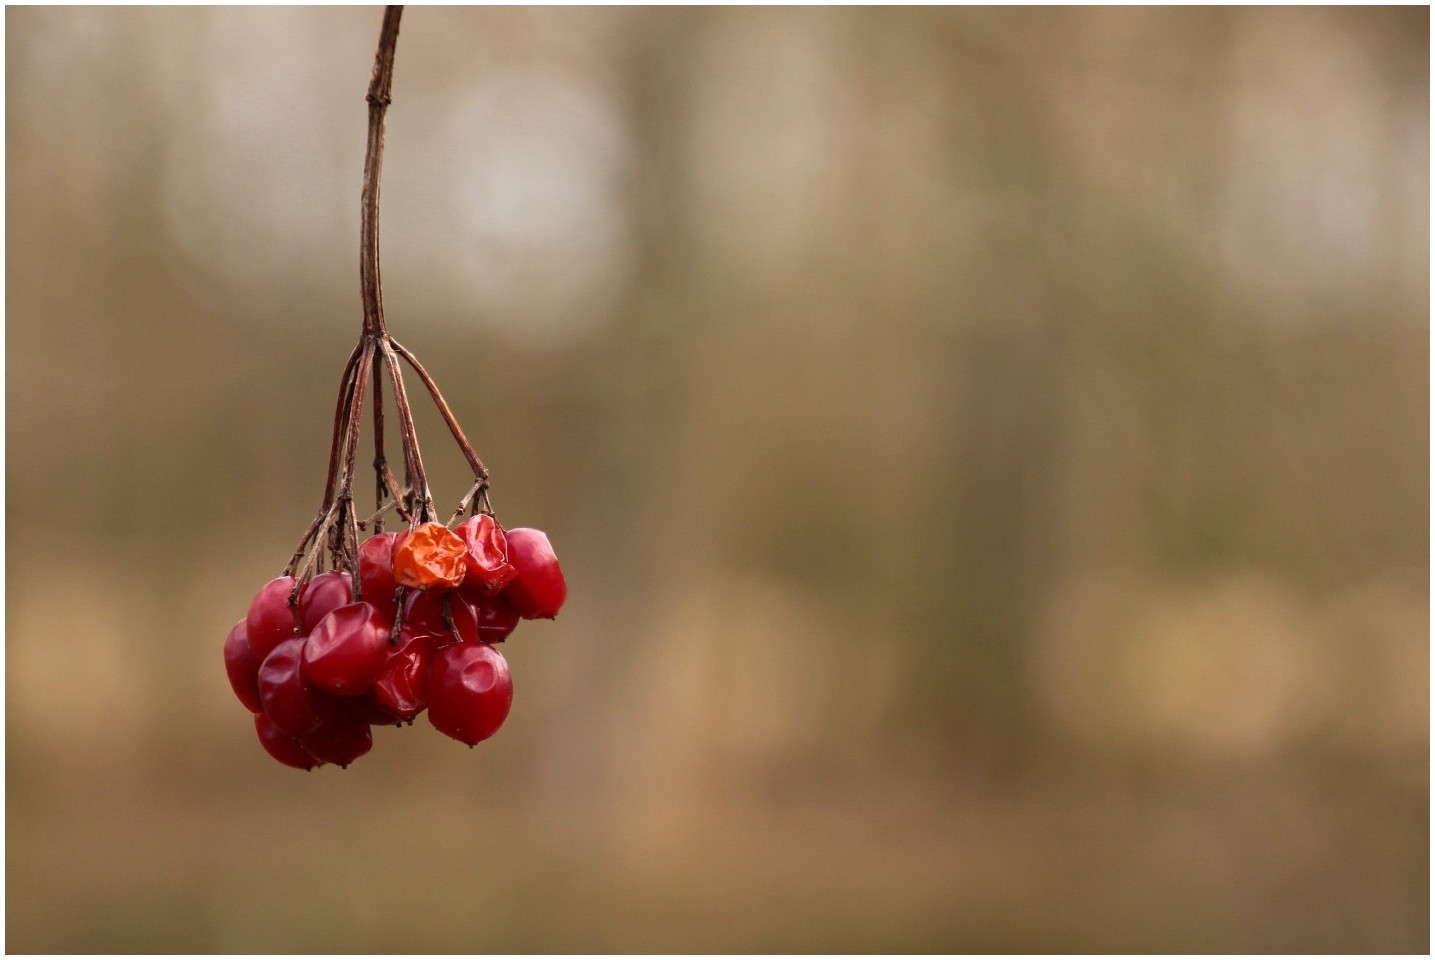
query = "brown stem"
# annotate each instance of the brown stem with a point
(319, 531)
(381, 466)
(473, 491)
(346, 390)
(346, 549)
(374, 521)
(336, 526)
(479, 470)
(414, 476)
(379, 97)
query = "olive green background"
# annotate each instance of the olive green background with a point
(988, 449)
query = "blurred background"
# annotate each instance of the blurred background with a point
(988, 450)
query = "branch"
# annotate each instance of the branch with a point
(380, 87)
(479, 470)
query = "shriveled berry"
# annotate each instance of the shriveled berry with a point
(402, 687)
(423, 613)
(539, 589)
(321, 595)
(288, 699)
(270, 620)
(242, 668)
(494, 615)
(347, 650)
(430, 556)
(376, 572)
(477, 615)
(470, 692)
(486, 561)
(341, 739)
(282, 746)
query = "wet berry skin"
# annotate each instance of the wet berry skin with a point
(402, 687)
(282, 746)
(495, 615)
(486, 561)
(347, 650)
(539, 589)
(270, 620)
(341, 739)
(423, 611)
(242, 668)
(478, 616)
(470, 692)
(376, 572)
(321, 595)
(289, 700)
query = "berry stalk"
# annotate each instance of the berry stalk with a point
(401, 623)
(375, 358)
(379, 97)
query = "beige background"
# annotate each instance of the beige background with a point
(988, 449)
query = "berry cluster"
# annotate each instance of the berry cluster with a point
(320, 662)
(376, 632)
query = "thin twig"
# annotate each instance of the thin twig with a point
(346, 549)
(379, 98)
(336, 526)
(381, 465)
(415, 478)
(479, 470)
(479, 486)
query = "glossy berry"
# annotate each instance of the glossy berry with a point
(430, 556)
(271, 619)
(282, 746)
(321, 595)
(423, 612)
(495, 615)
(402, 687)
(477, 615)
(347, 649)
(486, 559)
(323, 672)
(376, 572)
(470, 692)
(539, 589)
(288, 699)
(242, 668)
(341, 739)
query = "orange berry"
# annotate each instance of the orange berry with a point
(431, 556)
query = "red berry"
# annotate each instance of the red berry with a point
(347, 650)
(430, 556)
(376, 572)
(423, 612)
(486, 562)
(325, 593)
(470, 692)
(341, 739)
(495, 615)
(242, 668)
(287, 698)
(539, 589)
(282, 746)
(402, 687)
(477, 615)
(271, 620)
